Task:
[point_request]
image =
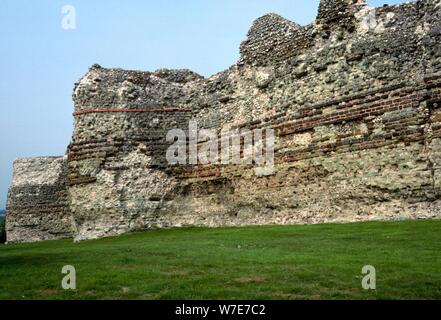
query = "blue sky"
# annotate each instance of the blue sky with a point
(40, 61)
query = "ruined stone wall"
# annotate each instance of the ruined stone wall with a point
(118, 173)
(38, 206)
(354, 99)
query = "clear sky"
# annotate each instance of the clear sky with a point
(40, 61)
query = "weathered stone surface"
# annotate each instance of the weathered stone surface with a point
(38, 206)
(354, 99)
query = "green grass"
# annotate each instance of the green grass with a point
(271, 262)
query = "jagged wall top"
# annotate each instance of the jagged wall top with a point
(349, 48)
(104, 88)
(338, 11)
(273, 39)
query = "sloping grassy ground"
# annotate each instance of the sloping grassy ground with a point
(271, 262)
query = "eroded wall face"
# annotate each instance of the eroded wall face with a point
(119, 179)
(354, 102)
(38, 205)
(118, 182)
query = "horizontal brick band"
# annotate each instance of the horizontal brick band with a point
(163, 110)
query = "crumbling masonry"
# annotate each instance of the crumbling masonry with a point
(354, 99)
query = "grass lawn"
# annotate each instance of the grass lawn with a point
(270, 262)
